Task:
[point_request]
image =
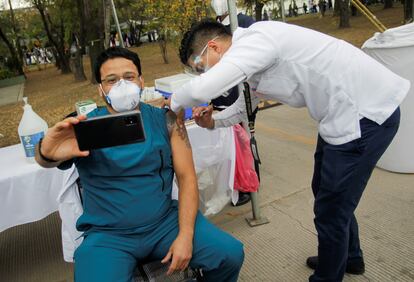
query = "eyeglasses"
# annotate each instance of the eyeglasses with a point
(113, 78)
(198, 67)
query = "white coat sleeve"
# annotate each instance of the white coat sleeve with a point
(210, 85)
(235, 113)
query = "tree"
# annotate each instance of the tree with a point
(388, 4)
(82, 20)
(170, 19)
(16, 35)
(76, 47)
(93, 11)
(76, 59)
(337, 9)
(343, 13)
(258, 7)
(408, 11)
(55, 33)
(15, 61)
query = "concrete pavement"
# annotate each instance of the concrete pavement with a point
(11, 94)
(277, 251)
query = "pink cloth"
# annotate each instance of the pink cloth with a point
(245, 177)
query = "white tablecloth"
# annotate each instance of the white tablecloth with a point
(27, 192)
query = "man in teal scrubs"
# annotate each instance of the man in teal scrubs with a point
(129, 216)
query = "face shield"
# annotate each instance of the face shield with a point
(198, 65)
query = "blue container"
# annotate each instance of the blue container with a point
(188, 111)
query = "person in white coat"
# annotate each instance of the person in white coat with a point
(354, 99)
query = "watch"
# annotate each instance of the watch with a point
(42, 156)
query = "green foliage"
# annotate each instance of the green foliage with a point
(5, 73)
(171, 18)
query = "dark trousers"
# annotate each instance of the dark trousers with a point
(340, 176)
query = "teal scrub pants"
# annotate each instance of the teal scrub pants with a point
(105, 256)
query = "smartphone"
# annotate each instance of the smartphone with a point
(110, 130)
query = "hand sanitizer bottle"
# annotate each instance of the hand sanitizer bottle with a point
(31, 129)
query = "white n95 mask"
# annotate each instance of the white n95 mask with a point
(124, 96)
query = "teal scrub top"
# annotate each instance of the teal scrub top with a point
(128, 188)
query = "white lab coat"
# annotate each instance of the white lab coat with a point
(337, 82)
(70, 209)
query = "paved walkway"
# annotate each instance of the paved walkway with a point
(11, 94)
(277, 251)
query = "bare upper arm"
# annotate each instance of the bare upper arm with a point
(180, 147)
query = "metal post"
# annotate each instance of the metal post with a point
(282, 10)
(234, 23)
(257, 219)
(117, 23)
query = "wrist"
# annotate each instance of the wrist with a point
(212, 124)
(42, 156)
(187, 234)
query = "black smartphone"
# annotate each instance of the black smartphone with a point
(110, 130)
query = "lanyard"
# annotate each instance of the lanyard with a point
(250, 117)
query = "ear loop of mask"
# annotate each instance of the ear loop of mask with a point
(141, 88)
(108, 100)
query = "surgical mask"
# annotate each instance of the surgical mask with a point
(124, 95)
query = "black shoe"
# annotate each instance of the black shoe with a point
(355, 266)
(244, 198)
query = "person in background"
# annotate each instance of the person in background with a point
(222, 102)
(265, 15)
(305, 8)
(129, 216)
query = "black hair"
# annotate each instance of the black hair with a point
(112, 53)
(197, 37)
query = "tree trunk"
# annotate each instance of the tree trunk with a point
(94, 31)
(337, 8)
(162, 42)
(61, 41)
(408, 11)
(258, 10)
(82, 20)
(63, 61)
(388, 4)
(344, 13)
(77, 64)
(16, 34)
(13, 53)
(138, 41)
(57, 60)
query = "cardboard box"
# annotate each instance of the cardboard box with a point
(85, 107)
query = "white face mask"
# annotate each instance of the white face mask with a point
(124, 96)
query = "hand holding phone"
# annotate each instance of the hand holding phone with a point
(110, 130)
(60, 142)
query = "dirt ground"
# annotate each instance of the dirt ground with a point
(53, 95)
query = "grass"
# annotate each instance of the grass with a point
(53, 95)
